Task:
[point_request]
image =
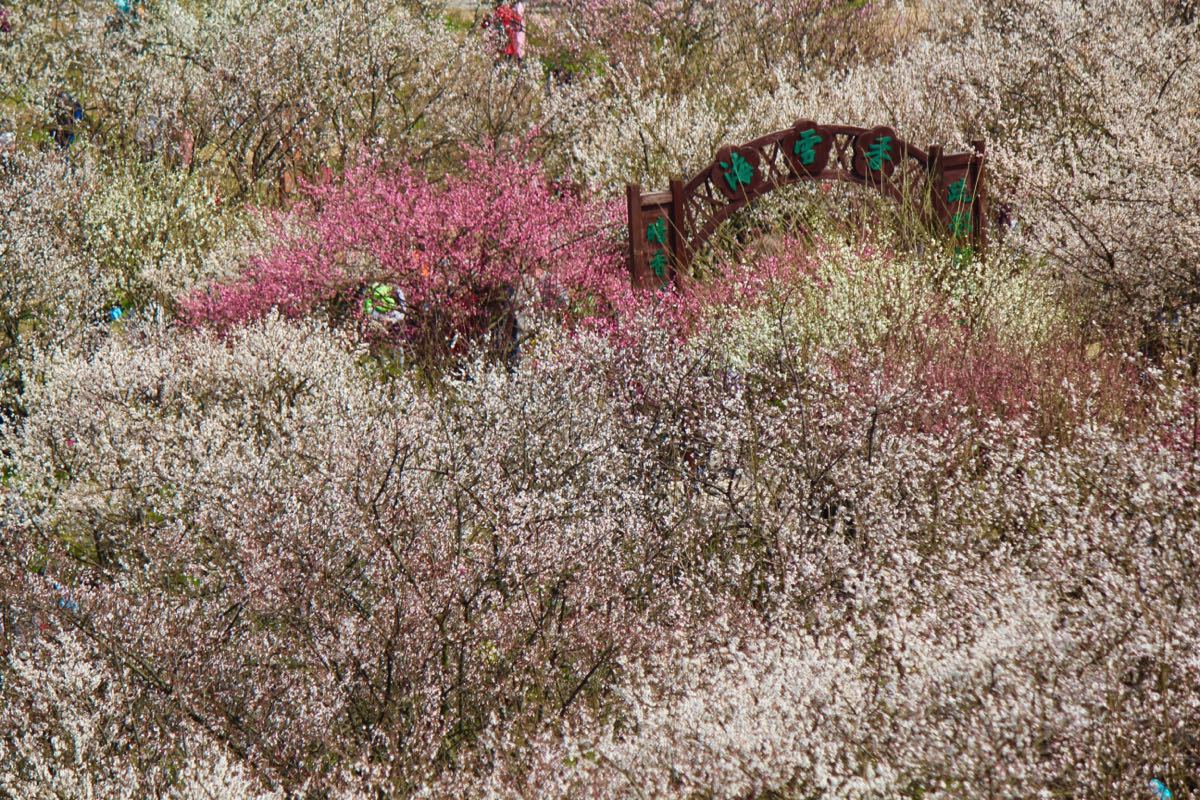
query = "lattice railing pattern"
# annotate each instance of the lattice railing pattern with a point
(668, 228)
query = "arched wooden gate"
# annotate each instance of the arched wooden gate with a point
(666, 229)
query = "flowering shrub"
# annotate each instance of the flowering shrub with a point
(254, 91)
(154, 231)
(51, 294)
(931, 618)
(459, 250)
(72, 724)
(400, 573)
(447, 584)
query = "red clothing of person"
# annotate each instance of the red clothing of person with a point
(514, 26)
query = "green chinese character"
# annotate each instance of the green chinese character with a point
(958, 192)
(739, 172)
(659, 263)
(879, 151)
(960, 223)
(806, 146)
(657, 232)
(379, 299)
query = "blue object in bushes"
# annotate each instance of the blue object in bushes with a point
(65, 602)
(70, 114)
(1160, 790)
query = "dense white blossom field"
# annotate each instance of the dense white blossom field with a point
(340, 459)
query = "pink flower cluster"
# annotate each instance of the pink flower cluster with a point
(458, 250)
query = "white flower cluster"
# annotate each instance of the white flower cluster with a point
(247, 91)
(792, 581)
(51, 294)
(72, 730)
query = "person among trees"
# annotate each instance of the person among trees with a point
(127, 13)
(69, 114)
(8, 149)
(181, 143)
(128, 8)
(517, 37)
(383, 302)
(510, 17)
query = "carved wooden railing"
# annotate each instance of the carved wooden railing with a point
(667, 229)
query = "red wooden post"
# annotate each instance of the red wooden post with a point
(936, 169)
(979, 181)
(637, 266)
(681, 257)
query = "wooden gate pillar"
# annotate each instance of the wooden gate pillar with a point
(979, 181)
(959, 193)
(637, 236)
(680, 250)
(937, 176)
(656, 235)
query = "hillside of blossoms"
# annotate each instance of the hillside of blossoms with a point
(341, 458)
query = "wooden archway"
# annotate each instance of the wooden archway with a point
(667, 229)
